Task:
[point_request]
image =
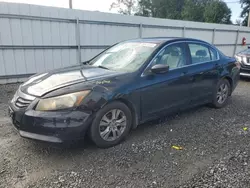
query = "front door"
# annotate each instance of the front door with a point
(162, 93)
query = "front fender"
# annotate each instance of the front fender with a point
(101, 96)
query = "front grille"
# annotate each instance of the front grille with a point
(22, 102)
(245, 66)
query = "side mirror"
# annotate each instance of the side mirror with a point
(160, 69)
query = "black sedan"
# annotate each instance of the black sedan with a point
(244, 58)
(128, 84)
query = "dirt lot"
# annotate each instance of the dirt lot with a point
(216, 152)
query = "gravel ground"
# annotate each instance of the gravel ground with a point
(215, 152)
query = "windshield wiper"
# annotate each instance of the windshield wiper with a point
(100, 66)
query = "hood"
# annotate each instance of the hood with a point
(40, 84)
(244, 54)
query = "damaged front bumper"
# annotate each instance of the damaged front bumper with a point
(55, 127)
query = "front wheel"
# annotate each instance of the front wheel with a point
(111, 125)
(222, 93)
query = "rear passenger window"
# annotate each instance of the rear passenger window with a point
(214, 54)
(199, 53)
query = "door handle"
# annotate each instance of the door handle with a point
(192, 79)
(183, 73)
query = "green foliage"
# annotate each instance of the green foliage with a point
(161, 8)
(124, 6)
(245, 5)
(213, 11)
(217, 12)
(193, 10)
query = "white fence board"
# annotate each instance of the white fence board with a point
(17, 37)
(2, 64)
(37, 32)
(39, 61)
(30, 61)
(10, 62)
(20, 61)
(87, 54)
(225, 37)
(161, 32)
(27, 32)
(5, 31)
(202, 35)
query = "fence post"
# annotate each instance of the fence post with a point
(140, 30)
(213, 37)
(183, 31)
(78, 40)
(236, 42)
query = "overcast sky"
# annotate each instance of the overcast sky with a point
(104, 5)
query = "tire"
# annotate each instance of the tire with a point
(219, 102)
(104, 121)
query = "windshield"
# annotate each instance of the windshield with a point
(125, 57)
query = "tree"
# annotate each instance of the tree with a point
(217, 12)
(238, 22)
(125, 6)
(213, 11)
(193, 10)
(245, 5)
(161, 8)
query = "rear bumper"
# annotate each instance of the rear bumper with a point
(55, 127)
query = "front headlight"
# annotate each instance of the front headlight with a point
(244, 59)
(241, 59)
(62, 102)
(238, 58)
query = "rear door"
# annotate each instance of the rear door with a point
(203, 71)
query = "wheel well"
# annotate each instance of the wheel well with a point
(133, 112)
(230, 82)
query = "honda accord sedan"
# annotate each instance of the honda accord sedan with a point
(127, 84)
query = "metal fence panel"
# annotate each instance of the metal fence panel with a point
(2, 64)
(5, 32)
(225, 37)
(89, 53)
(202, 35)
(30, 61)
(153, 32)
(36, 38)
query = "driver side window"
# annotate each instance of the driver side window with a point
(172, 55)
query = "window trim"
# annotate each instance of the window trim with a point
(165, 46)
(186, 44)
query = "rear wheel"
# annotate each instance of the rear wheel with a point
(111, 125)
(222, 93)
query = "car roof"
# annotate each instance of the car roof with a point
(161, 40)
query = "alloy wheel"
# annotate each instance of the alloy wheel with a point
(112, 125)
(222, 93)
